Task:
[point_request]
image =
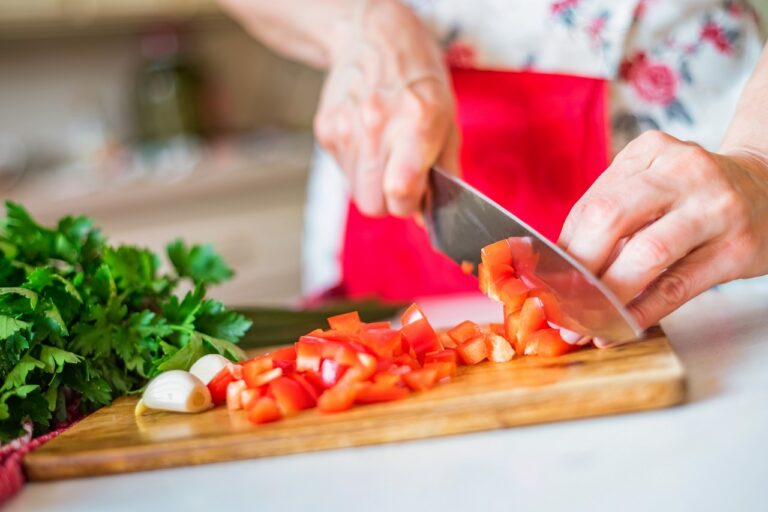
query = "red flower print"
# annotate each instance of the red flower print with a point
(654, 82)
(715, 34)
(563, 5)
(460, 55)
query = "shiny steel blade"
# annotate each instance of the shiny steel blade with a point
(461, 221)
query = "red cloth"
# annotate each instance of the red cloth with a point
(533, 142)
(11, 455)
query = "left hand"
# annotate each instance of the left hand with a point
(668, 220)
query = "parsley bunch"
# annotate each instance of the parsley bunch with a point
(82, 322)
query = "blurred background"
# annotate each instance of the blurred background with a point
(160, 119)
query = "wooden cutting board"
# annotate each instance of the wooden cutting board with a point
(639, 376)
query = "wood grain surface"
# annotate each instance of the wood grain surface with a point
(639, 376)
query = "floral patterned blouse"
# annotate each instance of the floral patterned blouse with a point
(674, 65)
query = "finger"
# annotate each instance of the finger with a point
(638, 156)
(698, 272)
(449, 158)
(649, 252)
(641, 153)
(369, 171)
(607, 216)
(417, 140)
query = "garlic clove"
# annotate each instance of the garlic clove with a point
(175, 390)
(208, 366)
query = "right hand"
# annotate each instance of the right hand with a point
(387, 110)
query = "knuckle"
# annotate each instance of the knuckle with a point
(653, 138)
(731, 205)
(651, 252)
(324, 131)
(699, 159)
(600, 211)
(673, 288)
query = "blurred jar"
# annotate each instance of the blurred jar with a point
(168, 92)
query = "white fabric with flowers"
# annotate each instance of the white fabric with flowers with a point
(677, 66)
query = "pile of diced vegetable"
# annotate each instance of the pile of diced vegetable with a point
(354, 362)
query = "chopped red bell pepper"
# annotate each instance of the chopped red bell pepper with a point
(348, 323)
(445, 369)
(548, 343)
(308, 355)
(248, 397)
(421, 380)
(218, 386)
(331, 371)
(473, 351)
(465, 331)
(338, 398)
(264, 410)
(447, 355)
(372, 392)
(498, 348)
(291, 397)
(420, 337)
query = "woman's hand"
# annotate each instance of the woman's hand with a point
(668, 220)
(387, 110)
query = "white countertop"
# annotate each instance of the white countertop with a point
(709, 454)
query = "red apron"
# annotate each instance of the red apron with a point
(532, 142)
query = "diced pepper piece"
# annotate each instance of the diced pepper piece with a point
(483, 279)
(499, 349)
(372, 392)
(445, 340)
(265, 378)
(362, 371)
(447, 355)
(331, 371)
(264, 410)
(291, 397)
(348, 323)
(497, 253)
(310, 388)
(218, 386)
(284, 354)
(337, 398)
(512, 293)
(234, 389)
(465, 331)
(253, 368)
(340, 352)
(248, 397)
(473, 351)
(421, 380)
(383, 342)
(445, 369)
(307, 356)
(551, 305)
(467, 267)
(372, 326)
(532, 319)
(421, 338)
(548, 343)
(412, 314)
(389, 379)
(497, 329)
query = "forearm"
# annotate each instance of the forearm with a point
(305, 30)
(748, 131)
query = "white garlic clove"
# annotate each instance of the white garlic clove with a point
(177, 391)
(208, 366)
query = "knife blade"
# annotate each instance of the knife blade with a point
(461, 221)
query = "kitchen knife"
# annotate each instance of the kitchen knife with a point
(461, 221)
